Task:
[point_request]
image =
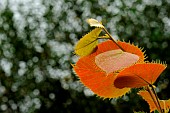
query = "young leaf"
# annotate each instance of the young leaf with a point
(115, 60)
(165, 104)
(139, 75)
(88, 43)
(94, 23)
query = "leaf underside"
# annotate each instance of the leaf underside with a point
(115, 60)
(139, 75)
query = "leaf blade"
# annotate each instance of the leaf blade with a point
(87, 43)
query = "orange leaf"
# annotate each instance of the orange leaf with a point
(139, 75)
(165, 104)
(95, 78)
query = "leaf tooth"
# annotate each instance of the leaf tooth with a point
(159, 62)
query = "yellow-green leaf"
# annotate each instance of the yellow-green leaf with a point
(94, 23)
(87, 43)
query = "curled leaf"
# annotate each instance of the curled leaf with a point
(139, 75)
(94, 23)
(88, 43)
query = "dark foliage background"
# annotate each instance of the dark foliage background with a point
(37, 38)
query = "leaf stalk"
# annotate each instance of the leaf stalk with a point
(113, 39)
(152, 93)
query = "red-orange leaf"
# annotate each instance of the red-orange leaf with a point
(165, 104)
(139, 75)
(95, 78)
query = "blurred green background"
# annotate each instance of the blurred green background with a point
(37, 38)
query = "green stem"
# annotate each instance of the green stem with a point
(113, 39)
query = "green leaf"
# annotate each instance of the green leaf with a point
(87, 43)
